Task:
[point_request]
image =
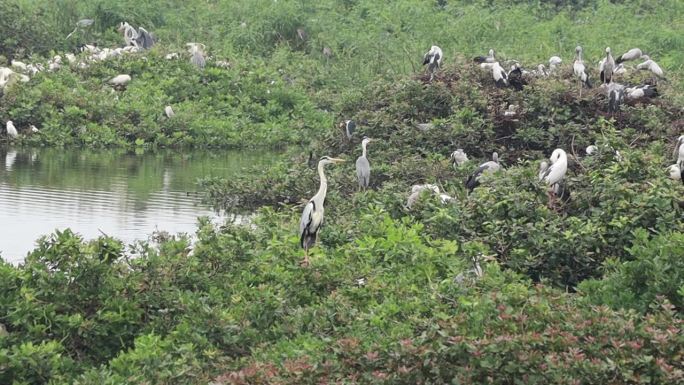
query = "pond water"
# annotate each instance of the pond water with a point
(127, 196)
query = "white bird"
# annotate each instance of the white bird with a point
(541, 71)
(458, 157)
(71, 58)
(11, 130)
(511, 111)
(417, 190)
(543, 166)
(169, 112)
(420, 187)
(645, 91)
(312, 216)
(34, 129)
(632, 54)
(554, 174)
(554, 63)
(120, 80)
(591, 149)
(129, 34)
(485, 168)
(172, 56)
(676, 173)
(620, 70)
(652, 66)
(486, 59)
(433, 58)
(607, 67)
(363, 166)
(197, 56)
(679, 151)
(579, 70)
(498, 73)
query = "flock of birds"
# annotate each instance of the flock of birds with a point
(551, 173)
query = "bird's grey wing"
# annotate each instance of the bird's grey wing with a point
(363, 170)
(306, 220)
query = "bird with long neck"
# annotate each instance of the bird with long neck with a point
(608, 67)
(554, 174)
(679, 151)
(363, 166)
(579, 70)
(312, 217)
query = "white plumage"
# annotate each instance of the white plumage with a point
(11, 130)
(556, 171)
(554, 63)
(433, 58)
(169, 112)
(651, 65)
(579, 70)
(607, 67)
(459, 157)
(120, 80)
(632, 54)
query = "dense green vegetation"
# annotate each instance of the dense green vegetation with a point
(592, 292)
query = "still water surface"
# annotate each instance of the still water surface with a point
(124, 195)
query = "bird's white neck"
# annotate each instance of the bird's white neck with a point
(363, 147)
(322, 190)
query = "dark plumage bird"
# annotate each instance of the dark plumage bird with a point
(349, 127)
(487, 167)
(645, 91)
(515, 78)
(144, 39)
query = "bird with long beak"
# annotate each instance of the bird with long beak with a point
(312, 217)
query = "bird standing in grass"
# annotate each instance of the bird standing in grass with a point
(312, 217)
(579, 70)
(554, 174)
(363, 166)
(433, 58)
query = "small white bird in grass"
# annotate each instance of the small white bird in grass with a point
(34, 129)
(458, 157)
(433, 58)
(632, 54)
(169, 112)
(363, 166)
(592, 149)
(312, 216)
(579, 70)
(120, 80)
(652, 66)
(11, 130)
(486, 59)
(554, 174)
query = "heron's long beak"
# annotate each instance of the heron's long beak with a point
(337, 160)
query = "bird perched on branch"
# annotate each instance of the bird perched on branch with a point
(579, 70)
(485, 168)
(433, 59)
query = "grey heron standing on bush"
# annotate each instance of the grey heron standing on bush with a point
(485, 168)
(579, 70)
(607, 67)
(349, 128)
(312, 217)
(363, 166)
(554, 174)
(433, 58)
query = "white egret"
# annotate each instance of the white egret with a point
(554, 174)
(312, 217)
(363, 166)
(11, 130)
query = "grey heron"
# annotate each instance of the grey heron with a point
(433, 58)
(129, 33)
(486, 59)
(83, 23)
(349, 128)
(616, 94)
(652, 66)
(169, 112)
(485, 168)
(554, 174)
(144, 39)
(458, 157)
(120, 80)
(579, 70)
(363, 166)
(607, 67)
(11, 130)
(632, 54)
(312, 216)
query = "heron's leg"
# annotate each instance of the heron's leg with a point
(580, 87)
(305, 261)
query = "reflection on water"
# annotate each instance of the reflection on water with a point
(124, 195)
